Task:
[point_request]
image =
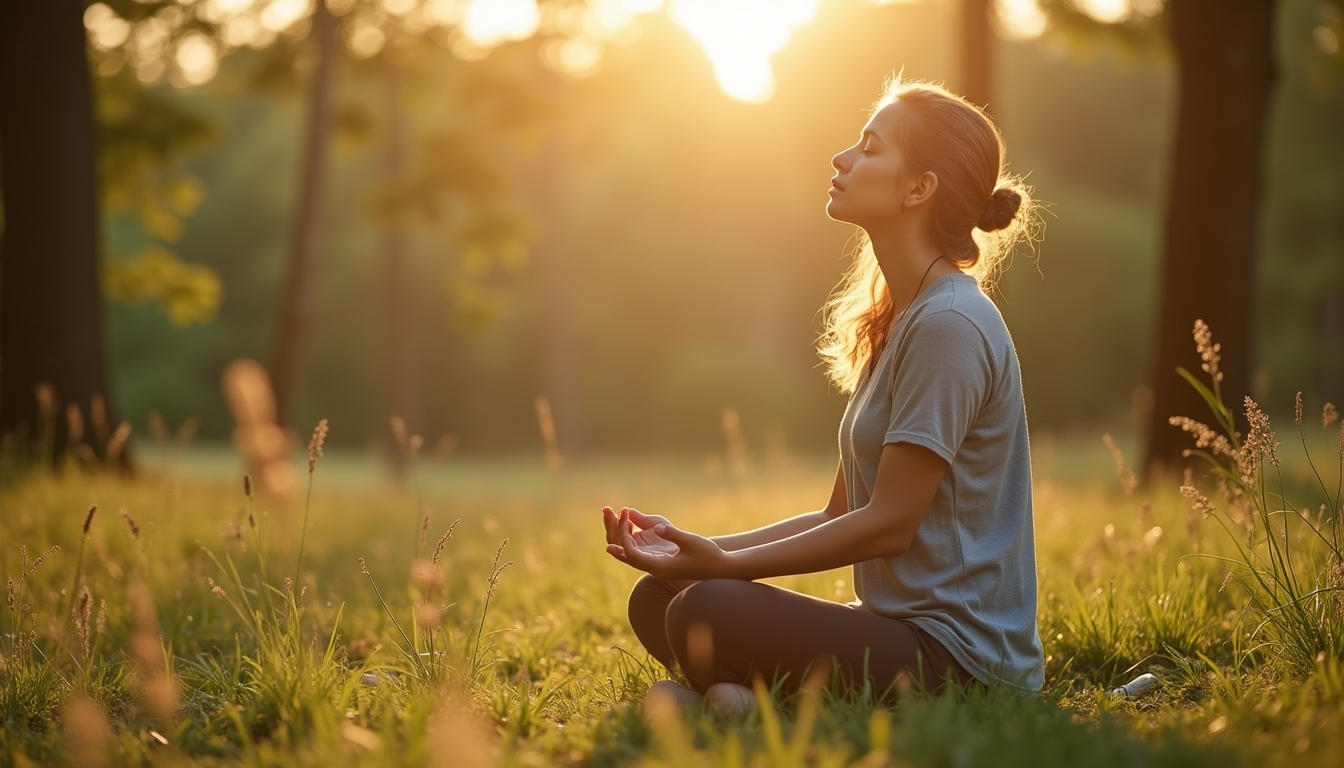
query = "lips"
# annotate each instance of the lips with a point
(835, 184)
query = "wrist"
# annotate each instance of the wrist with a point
(736, 564)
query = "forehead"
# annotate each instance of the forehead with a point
(885, 121)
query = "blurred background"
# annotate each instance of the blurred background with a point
(618, 206)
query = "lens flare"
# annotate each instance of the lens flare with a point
(740, 36)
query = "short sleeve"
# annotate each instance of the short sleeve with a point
(941, 380)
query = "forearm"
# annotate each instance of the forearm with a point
(773, 532)
(861, 535)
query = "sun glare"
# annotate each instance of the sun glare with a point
(740, 36)
(1106, 11)
(490, 22)
(1021, 19)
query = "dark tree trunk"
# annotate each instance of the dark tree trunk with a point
(398, 357)
(1224, 50)
(976, 42)
(296, 300)
(51, 308)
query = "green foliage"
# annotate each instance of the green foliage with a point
(187, 293)
(143, 135)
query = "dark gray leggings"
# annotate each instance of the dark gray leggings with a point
(726, 630)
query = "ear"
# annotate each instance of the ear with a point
(925, 185)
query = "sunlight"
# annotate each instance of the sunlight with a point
(197, 59)
(1021, 19)
(280, 14)
(740, 36)
(1106, 11)
(490, 22)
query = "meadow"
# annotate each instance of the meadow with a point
(469, 617)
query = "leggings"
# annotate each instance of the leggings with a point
(727, 630)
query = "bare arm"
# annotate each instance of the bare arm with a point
(908, 476)
(791, 526)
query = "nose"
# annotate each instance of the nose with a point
(841, 162)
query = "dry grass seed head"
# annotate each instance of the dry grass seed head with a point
(1128, 480)
(427, 578)
(315, 445)
(88, 519)
(53, 548)
(448, 534)
(158, 428)
(1328, 415)
(247, 485)
(1209, 352)
(82, 613)
(1205, 436)
(1297, 409)
(1198, 501)
(131, 525)
(1260, 440)
(74, 422)
(46, 400)
(428, 617)
(117, 442)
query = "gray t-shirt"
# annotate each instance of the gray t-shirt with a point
(948, 379)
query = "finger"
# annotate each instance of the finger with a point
(630, 549)
(609, 522)
(670, 532)
(641, 519)
(618, 552)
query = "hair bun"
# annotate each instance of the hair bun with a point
(1000, 210)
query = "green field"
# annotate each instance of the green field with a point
(190, 648)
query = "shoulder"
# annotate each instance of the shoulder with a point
(957, 306)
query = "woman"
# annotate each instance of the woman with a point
(932, 500)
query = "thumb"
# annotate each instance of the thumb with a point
(671, 533)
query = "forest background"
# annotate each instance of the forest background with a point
(666, 250)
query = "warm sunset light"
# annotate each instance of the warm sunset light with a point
(740, 36)
(489, 22)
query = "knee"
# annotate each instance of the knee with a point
(649, 599)
(703, 602)
(647, 590)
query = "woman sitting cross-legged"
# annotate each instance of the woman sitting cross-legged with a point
(932, 503)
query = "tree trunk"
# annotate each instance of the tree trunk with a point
(296, 300)
(51, 308)
(976, 43)
(1224, 50)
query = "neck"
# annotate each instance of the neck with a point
(909, 262)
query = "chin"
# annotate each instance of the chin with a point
(836, 212)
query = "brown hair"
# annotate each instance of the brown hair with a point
(980, 215)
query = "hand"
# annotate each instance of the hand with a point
(645, 538)
(692, 556)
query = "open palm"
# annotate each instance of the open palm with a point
(640, 527)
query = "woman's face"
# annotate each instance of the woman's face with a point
(872, 178)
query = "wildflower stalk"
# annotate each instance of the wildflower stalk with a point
(314, 453)
(495, 570)
(412, 653)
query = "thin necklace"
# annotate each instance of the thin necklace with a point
(921, 284)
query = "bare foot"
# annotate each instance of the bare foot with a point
(665, 696)
(729, 700)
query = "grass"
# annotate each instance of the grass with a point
(183, 643)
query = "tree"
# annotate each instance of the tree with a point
(51, 309)
(1224, 55)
